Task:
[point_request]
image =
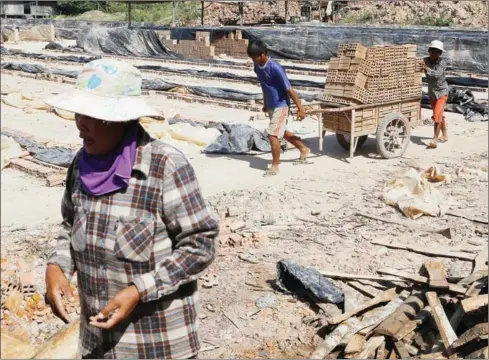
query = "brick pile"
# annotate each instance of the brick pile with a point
(361, 75)
(199, 48)
(232, 45)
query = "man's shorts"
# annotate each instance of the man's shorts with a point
(278, 122)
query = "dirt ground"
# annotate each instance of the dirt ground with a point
(306, 213)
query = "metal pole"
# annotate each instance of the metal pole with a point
(173, 14)
(129, 14)
(202, 14)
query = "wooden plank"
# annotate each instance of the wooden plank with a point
(403, 314)
(365, 290)
(356, 344)
(457, 317)
(409, 224)
(479, 354)
(380, 354)
(401, 350)
(379, 299)
(478, 332)
(420, 279)
(474, 303)
(339, 275)
(422, 250)
(333, 339)
(447, 334)
(476, 275)
(372, 344)
(376, 316)
(435, 355)
(436, 274)
(412, 350)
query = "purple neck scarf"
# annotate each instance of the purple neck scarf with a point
(103, 174)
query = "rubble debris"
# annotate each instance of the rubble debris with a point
(386, 296)
(400, 329)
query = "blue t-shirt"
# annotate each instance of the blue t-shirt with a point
(274, 83)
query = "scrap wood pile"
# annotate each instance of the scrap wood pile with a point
(427, 316)
(361, 75)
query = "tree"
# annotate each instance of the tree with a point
(73, 7)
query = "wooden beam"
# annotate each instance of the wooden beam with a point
(401, 350)
(476, 275)
(339, 275)
(372, 344)
(355, 345)
(436, 274)
(425, 251)
(403, 314)
(383, 297)
(333, 339)
(409, 224)
(478, 332)
(364, 289)
(474, 303)
(479, 354)
(420, 279)
(202, 13)
(129, 14)
(447, 334)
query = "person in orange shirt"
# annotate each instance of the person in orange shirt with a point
(435, 67)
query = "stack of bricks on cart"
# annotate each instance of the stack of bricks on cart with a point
(378, 74)
(232, 45)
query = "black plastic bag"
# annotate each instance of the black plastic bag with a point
(307, 282)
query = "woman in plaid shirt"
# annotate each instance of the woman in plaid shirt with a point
(136, 229)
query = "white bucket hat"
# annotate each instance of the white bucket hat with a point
(437, 44)
(107, 90)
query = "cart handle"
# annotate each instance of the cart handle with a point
(349, 108)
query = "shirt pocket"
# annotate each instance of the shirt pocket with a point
(79, 229)
(134, 239)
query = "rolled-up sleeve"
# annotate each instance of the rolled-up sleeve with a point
(193, 230)
(61, 254)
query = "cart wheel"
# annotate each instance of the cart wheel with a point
(344, 141)
(393, 136)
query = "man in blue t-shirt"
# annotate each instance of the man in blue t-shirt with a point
(277, 93)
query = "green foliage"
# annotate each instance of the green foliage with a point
(73, 7)
(159, 13)
(431, 20)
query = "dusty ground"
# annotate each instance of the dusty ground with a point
(277, 210)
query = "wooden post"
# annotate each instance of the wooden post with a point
(320, 132)
(129, 15)
(202, 14)
(286, 11)
(240, 14)
(352, 138)
(173, 14)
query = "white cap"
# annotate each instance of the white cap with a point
(437, 44)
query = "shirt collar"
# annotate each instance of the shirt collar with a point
(266, 64)
(143, 152)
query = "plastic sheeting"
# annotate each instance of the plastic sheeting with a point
(159, 84)
(462, 102)
(123, 41)
(307, 282)
(59, 156)
(466, 48)
(238, 139)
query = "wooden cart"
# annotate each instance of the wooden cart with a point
(391, 122)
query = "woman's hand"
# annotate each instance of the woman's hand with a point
(57, 287)
(117, 310)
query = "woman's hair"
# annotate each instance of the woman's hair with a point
(256, 48)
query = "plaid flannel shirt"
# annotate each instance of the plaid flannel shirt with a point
(157, 234)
